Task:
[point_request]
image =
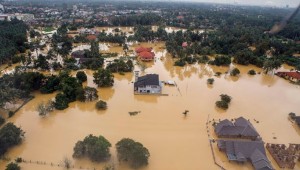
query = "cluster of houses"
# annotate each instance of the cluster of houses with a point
(244, 143)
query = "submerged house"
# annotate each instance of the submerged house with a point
(292, 76)
(241, 128)
(242, 151)
(145, 54)
(148, 84)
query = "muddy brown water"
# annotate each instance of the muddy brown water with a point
(175, 141)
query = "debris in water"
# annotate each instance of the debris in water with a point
(185, 112)
(134, 113)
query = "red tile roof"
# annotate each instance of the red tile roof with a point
(184, 44)
(141, 49)
(147, 55)
(295, 75)
(91, 37)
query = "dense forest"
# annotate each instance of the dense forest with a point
(13, 39)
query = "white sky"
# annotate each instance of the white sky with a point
(279, 3)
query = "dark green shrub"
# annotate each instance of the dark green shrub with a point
(251, 72)
(81, 76)
(101, 105)
(132, 152)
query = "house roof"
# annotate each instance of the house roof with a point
(141, 49)
(91, 37)
(223, 123)
(243, 150)
(260, 161)
(78, 54)
(146, 54)
(184, 44)
(295, 75)
(297, 120)
(241, 126)
(149, 79)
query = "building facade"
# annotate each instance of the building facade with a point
(148, 84)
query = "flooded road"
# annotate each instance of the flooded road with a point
(175, 141)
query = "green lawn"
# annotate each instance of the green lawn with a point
(48, 29)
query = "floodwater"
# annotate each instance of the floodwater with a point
(175, 141)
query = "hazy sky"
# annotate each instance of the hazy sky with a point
(281, 3)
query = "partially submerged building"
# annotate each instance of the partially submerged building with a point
(292, 76)
(241, 128)
(148, 84)
(242, 151)
(285, 157)
(145, 54)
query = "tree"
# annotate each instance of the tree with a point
(243, 57)
(297, 67)
(226, 98)
(224, 103)
(10, 135)
(210, 81)
(51, 85)
(70, 86)
(251, 72)
(235, 72)
(271, 64)
(44, 109)
(2, 120)
(81, 76)
(61, 101)
(132, 152)
(41, 62)
(13, 166)
(87, 94)
(67, 163)
(103, 78)
(95, 148)
(101, 105)
(95, 49)
(118, 65)
(222, 61)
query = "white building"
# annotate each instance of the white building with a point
(22, 17)
(148, 84)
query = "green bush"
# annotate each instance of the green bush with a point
(61, 102)
(15, 59)
(235, 72)
(81, 76)
(222, 104)
(11, 114)
(210, 81)
(221, 61)
(10, 136)
(226, 98)
(132, 152)
(180, 63)
(101, 105)
(2, 120)
(95, 148)
(251, 72)
(103, 78)
(12, 166)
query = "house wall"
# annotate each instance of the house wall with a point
(149, 89)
